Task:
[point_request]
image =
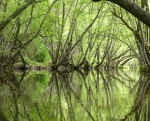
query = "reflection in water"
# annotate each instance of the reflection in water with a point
(77, 96)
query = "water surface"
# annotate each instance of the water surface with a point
(77, 96)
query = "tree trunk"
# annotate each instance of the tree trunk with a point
(134, 9)
(6, 21)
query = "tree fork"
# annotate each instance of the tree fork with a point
(134, 9)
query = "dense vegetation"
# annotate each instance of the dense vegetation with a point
(73, 34)
(68, 35)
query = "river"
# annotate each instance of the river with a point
(118, 95)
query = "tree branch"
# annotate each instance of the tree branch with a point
(5, 22)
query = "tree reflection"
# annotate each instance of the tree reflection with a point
(12, 84)
(141, 108)
(91, 96)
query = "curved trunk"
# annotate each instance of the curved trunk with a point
(134, 9)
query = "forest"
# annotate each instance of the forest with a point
(74, 34)
(74, 60)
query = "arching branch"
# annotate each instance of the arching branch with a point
(134, 9)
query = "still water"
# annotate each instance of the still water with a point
(77, 96)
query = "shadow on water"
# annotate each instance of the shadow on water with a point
(77, 96)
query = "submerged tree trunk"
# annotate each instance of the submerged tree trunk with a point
(134, 9)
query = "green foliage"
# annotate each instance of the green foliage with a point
(58, 33)
(41, 54)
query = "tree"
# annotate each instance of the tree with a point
(4, 23)
(66, 33)
(22, 30)
(134, 9)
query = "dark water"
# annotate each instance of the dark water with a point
(77, 96)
